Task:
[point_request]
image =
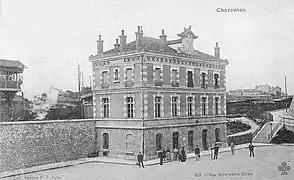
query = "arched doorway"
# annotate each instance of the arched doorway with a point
(216, 132)
(176, 140)
(158, 142)
(204, 139)
(105, 143)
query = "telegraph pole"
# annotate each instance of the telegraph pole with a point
(79, 91)
(286, 91)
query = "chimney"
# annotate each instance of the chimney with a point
(139, 35)
(123, 40)
(163, 36)
(217, 51)
(100, 45)
(116, 45)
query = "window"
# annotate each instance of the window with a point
(174, 75)
(190, 140)
(130, 107)
(116, 74)
(189, 104)
(105, 104)
(157, 74)
(174, 78)
(203, 78)
(176, 140)
(129, 74)
(190, 79)
(105, 141)
(203, 106)
(174, 106)
(158, 142)
(104, 76)
(216, 77)
(216, 105)
(157, 107)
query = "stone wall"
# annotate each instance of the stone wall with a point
(32, 143)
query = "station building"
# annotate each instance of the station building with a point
(155, 93)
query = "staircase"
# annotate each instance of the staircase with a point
(268, 131)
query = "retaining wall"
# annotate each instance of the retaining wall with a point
(32, 143)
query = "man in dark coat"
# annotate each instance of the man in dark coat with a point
(216, 148)
(183, 155)
(140, 159)
(160, 155)
(197, 153)
(251, 149)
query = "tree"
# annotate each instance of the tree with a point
(60, 111)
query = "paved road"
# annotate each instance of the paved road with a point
(262, 166)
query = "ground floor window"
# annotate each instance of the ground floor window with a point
(158, 141)
(217, 130)
(204, 139)
(190, 140)
(105, 141)
(176, 140)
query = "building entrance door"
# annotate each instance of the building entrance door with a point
(204, 139)
(176, 140)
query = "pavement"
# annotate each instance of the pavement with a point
(115, 161)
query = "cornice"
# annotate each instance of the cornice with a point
(159, 89)
(159, 58)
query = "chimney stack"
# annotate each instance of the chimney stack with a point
(123, 40)
(100, 45)
(139, 35)
(217, 51)
(116, 45)
(163, 36)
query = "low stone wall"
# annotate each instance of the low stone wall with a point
(240, 139)
(32, 143)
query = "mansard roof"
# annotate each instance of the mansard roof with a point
(156, 45)
(146, 43)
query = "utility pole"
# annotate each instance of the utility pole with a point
(79, 91)
(286, 91)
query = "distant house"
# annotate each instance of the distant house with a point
(11, 79)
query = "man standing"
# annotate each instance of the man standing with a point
(160, 155)
(197, 153)
(140, 159)
(251, 149)
(233, 148)
(216, 148)
(183, 155)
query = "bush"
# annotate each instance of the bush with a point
(283, 136)
(236, 127)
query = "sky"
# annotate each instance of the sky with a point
(52, 37)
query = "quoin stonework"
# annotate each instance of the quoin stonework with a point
(156, 93)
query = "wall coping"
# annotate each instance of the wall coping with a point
(46, 121)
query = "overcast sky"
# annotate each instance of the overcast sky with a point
(52, 37)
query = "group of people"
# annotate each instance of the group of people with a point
(167, 155)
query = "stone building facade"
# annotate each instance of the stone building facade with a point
(154, 93)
